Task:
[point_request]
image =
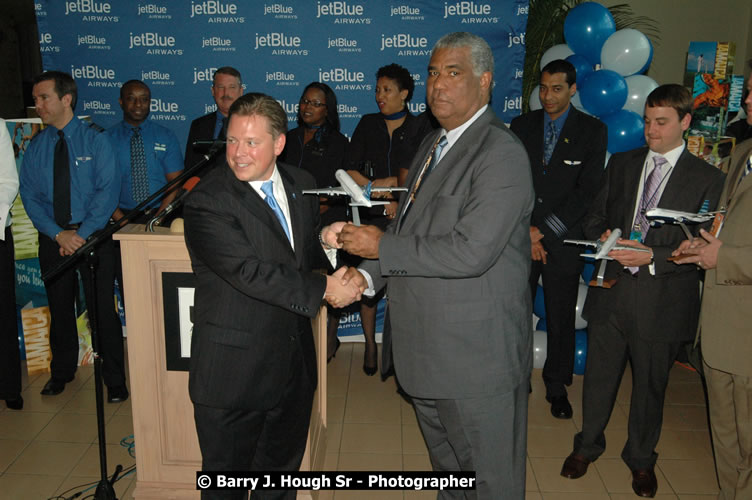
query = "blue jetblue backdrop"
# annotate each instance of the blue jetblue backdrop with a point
(279, 47)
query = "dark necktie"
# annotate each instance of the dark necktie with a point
(61, 193)
(549, 143)
(223, 131)
(139, 178)
(428, 166)
(268, 189)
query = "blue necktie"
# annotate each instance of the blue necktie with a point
(549, 143)
(139, 178)
(268, 189)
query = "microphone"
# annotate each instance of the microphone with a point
(181, 194)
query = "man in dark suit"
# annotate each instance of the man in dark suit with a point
(652, 309)
(253, 239)
(567, 151)
(226, 87)
(457, 259)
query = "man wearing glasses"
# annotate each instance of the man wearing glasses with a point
(226, 87)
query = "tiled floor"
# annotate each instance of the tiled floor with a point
(50, 446)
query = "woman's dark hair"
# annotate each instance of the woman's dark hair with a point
(400, 75)
(332, 116)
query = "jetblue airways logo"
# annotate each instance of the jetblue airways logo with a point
(281, 44)
(280, 11)
(153, 11)
(203, 75)
(282, 78)
(471, 12)
(402, 41)
(98, 77)
(99, 107)
(157, 77)
(155, 44)
(343, 44)
(217, 44)
(91, 10)
(344, 79)
(165, 111)
(45, 44)
(512, 104)
(93, 42)
(406, 13)
(219, 12)
(343, 12)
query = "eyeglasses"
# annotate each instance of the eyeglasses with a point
(315, 104)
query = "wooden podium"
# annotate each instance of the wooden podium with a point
(167, 451)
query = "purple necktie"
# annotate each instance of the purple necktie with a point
(648, 201)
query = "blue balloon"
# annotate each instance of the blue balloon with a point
(542, 325)
(625, 131)
(603, 92)
(580, 351)
(587, 272)
(586, 29)
(539, 306)
(581, 65)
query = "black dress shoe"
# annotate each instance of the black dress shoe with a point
(370, 363)
(644, 482)
(336, 348)
(560, 407)
(575, 466)
(117, 394)
(54, 386)
(15, 403)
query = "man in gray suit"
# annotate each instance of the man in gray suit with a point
(457, 259)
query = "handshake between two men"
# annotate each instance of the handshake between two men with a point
(347, 284)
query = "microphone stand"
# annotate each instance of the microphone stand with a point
(104, 490)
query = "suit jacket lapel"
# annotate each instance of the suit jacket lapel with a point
(257, 207)
(633, 179)
(570, 126)
(296, 217)
(415, 168)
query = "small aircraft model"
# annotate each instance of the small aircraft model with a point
(359, 196)
(660, 216)
(602, 248)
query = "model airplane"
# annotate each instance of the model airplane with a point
(660, 216)
(359, 196)
(602, 248)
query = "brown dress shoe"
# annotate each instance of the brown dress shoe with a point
(575, 466)
(644, 482)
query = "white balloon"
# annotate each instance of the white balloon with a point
(626, 51)
(561, 51)
(534, 101)
(579, 321)
(638, 89)
(539, 348)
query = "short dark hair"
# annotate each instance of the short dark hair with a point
(400, 75)
(258, 104)
(671, 95)
(64, 84)
(227, 70)
(133, 82)
(561, 66)
(332, 114)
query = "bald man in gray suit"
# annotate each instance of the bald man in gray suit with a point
(457, 259)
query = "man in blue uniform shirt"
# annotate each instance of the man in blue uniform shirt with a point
(69, 186)
(148, 154)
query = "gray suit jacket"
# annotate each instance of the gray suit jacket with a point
(457, 267)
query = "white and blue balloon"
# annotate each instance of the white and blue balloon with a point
(617, 90)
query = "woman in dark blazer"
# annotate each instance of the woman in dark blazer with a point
(382, 144)
(317, 146)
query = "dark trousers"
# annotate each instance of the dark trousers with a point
(10, 356)
(610, 344)
(560, 286)
(268, 440)
(61, 296)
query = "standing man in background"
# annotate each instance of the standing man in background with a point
(567, 151)
(651, 311)
(226, 87)
(70, 187)
(10, 355)
(147, 153)
(724, 326)
(457, 260)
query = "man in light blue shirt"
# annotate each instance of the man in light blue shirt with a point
(69, 187)
(143, 144)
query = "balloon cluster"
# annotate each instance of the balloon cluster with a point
(617, 90)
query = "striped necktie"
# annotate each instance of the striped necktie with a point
(139, 177)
